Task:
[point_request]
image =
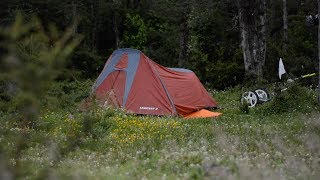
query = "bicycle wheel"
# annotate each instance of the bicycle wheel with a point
(250, 97)
(263, 95)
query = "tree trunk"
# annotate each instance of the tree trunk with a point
(184, 31)
(285, 26)
(116, 30)
(184, 36)
(319, 52)
(115, 20)
(252, 20)
(74, 17)
(94, 17)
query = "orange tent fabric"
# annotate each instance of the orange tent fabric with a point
(203, 113)
(141, 86)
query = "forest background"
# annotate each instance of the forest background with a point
(204, 36)
(51, 51)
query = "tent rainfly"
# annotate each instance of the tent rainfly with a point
(132, 81)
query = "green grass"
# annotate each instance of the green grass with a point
(108, 144)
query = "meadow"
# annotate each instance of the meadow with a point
(276, 140)
(43, 135)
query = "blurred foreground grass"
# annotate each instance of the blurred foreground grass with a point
(107, 143)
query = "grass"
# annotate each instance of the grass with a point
(108, 144)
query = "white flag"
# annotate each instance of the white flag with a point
(281, 68)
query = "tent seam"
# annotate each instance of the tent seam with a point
(165, 89)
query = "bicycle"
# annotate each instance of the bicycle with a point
(261, 95)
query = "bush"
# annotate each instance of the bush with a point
(69, 93)
(295, 99)
(32, 60)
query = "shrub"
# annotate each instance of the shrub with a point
(295, 99)
(32, 59)
(244, 107)
(69, 93)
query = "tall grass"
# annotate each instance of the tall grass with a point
(116, 145)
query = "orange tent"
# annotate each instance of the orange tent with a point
(132, 81)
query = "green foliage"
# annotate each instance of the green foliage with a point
(300, 58)
(135, 35)
(71, 131)
(43, 136)
(294, 99)
(97, 122)
(32, 60)
(70, 94)
(107, 143)
(213, 54)
(244, 107)
(85, 63)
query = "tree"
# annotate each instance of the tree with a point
(115, 21)
(213, 48)
(32, 59)
(184, 31)
(285, 25)
(252, 20)
(319, 52)
(176, 13)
